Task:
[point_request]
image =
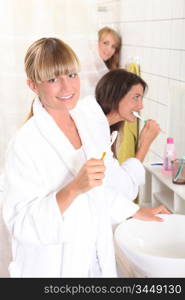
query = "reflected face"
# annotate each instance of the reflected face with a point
(107, 47)
(59, 93)
(132, 101)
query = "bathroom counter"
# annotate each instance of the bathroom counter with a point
(159, 189)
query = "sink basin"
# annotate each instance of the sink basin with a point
(151, 249)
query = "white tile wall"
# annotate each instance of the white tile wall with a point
(108, 13)
(154, 30)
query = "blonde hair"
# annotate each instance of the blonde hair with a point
(113, 62)
(49, 58)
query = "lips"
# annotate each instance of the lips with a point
(106, 55)
(65, 98)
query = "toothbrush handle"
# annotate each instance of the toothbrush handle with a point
(103, 155)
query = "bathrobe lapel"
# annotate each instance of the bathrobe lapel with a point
(93, 145)
(85, 131)
(88, 118)
(55, 137)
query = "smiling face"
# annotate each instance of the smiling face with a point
(107, 47)
(58, 94)
(132, 101)
(52, 70)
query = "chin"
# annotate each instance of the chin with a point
(71, 105)
(131, 120)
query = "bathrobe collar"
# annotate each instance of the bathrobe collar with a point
(57, 139)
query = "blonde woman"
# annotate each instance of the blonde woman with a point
(109, 45)
(96, 57)
(59, 206)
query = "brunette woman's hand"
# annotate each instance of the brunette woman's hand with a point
(149, 213)
(90, 176)
(147, 135)
(149, 132)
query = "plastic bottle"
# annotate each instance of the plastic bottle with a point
(169, 154)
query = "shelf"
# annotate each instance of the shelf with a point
(166, 179)
(166, 198)
(159, 189)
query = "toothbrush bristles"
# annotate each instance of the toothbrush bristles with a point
(135, 113)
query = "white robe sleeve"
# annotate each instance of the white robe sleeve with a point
(125, 178)
(29, 213)
(120, 208)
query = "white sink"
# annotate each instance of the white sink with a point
(152, 249)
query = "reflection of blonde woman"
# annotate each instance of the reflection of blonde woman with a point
(96, 57)
(109, 42)
(59, 204)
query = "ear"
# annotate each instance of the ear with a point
(32, 85)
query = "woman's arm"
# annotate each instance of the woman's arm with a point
(125, 178)
(149, 213)
(90, 176)
(31, 209)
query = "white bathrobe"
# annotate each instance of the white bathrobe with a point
(79, 242)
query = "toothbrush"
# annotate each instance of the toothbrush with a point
(179, 169)
(112, 140)
(135, 113)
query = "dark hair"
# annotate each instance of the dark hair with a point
(111, 89)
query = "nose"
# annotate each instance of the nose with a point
(140, 104)
(65, 83)
(110, 50)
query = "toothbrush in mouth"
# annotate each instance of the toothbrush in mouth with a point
(135, 113)
(112, 140)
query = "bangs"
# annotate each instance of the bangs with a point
(114, 35)
(52, 60)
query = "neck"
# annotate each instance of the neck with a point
(113, 118)
(61, 117)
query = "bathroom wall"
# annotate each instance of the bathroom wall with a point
(153, 31)
(22, 22)
(108, 13)
(153, 34)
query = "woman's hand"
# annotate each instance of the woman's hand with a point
(149, 132)
(147, 135)
(90, 176)
(149, 213)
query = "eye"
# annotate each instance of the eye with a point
(73, 75)
(52, 80)
(106, 43)
(136, 97)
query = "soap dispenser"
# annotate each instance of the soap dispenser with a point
(169, 154)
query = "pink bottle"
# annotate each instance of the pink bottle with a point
(169, 154)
